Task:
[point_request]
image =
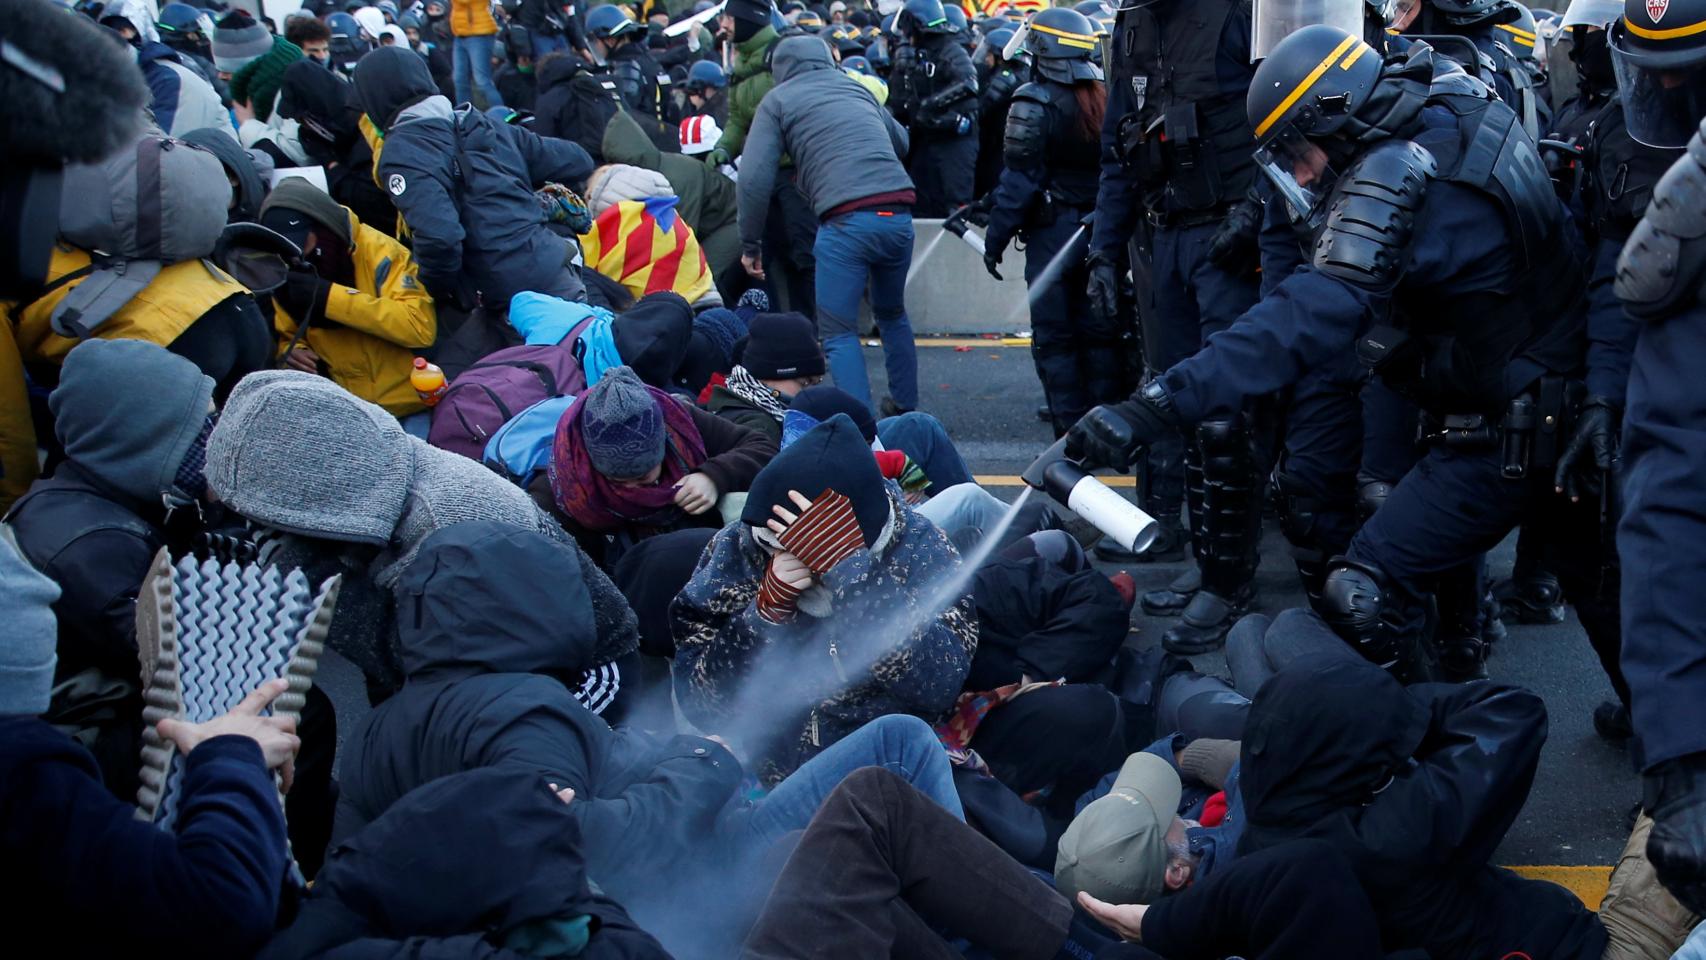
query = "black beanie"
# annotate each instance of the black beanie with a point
(824, 401)
(750, 16)
(782, 346)
(830, 456)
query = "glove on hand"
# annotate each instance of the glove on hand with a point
(1233, 247)
(1592, 450)
(1112, 434)
(1104, 286)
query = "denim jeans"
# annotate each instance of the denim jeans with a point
(474, 53)
(923, 438)
(966, 513)
(866, 247)
(548, 43)
(903, 745)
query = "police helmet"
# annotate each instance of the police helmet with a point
(1464, 13)
(808, 19)
(924, 16)
(1304, 92)
(878, 57)
(1521, 36)
(706, 73)
(609, 22)
(990, 24)
(1094, 9)
(957, 16)
(891, 25)
(858, 64)
(997, 41)
(1062, 41)
(1658, 50)
(179, 18)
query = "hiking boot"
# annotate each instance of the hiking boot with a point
(1168, 547)
(1461, 659)
(208, 634)
(1203, 625)
(889, 408)
(1536, 600)
(1171, 600)
(1611, 722)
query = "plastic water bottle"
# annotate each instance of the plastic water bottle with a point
(428, 381)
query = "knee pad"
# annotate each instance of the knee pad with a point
(1226, 455)
(1370, 496)
(1354, 601)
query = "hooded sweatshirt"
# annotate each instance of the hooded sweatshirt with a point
(464, 183)
(464, 866)
(251, 190)
(495, 619)
(298, 453)
(844, 146)
(1416, 787)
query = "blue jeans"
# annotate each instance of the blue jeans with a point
(903, 745)
(853, 250)
(545, 44)
(923, 438)
(474, 54)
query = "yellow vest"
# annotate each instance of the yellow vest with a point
(160, 313)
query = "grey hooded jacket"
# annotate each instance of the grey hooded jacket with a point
(844, 145)
(299, 454)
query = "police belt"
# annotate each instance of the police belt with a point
(1179, 219)
(1530, 433)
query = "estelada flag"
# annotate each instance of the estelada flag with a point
(646, 246)
(1002, 8)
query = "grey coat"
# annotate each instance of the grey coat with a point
(844, 145)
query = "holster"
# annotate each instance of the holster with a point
(1193, 176)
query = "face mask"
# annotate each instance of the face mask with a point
(190, 479)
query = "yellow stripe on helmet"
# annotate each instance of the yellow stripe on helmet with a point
(1670, 34)
(1303, 86)
(1518, 34)
(1086, 41)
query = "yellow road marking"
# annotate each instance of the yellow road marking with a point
(1587, 883)
(1004, 480)
(973, 342)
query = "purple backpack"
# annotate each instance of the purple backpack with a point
(486, 395)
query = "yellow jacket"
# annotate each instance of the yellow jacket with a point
(17, 431)
(158, 314)
(472, 18)
(380, 322)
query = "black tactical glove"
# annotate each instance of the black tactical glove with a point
(1676, 800)
(976, 213)
(1592, 449)
(1233, 246)
(1112, 434)
(1104, 285)
(992, 260)
(303, 295)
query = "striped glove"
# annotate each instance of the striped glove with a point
(825, 534)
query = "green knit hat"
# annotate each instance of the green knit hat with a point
(258, 81)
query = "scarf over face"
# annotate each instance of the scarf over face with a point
(596, 502)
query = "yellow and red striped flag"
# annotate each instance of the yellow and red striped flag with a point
(646, 246)
(1009, 8)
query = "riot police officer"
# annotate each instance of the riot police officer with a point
(619, 44)
(1176, 167)
(1661, 72)
(1468, 300)
(1485, 54)
(933, 91)
(1045, 192)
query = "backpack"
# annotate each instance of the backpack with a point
(160, 201)
(591, 102)
(491, 392)
(522, 447)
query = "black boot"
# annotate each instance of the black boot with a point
(1676, 799)
(1204, 622)
(1171, 600)
(1460, 659)
(1535, 599)
(1611, 722)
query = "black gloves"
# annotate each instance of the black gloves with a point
(1112, 434)
(1104, 285)
(303, 295)
(976, 213)
(1592, 449)
(1233, 246)
(1676, 799)
(992, 260)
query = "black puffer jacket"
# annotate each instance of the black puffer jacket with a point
(1416, 787)
(323, 104)
(1038, 620)
(575, 102)
(488, 618)
(457, 869)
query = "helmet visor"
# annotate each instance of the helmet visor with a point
(1016, 47)
(1591, 13)
(1663, 105)
(1299, 171)
(1274, 20)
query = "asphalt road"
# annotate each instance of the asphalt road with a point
(987, 395)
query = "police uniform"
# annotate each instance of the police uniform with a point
(1176, 152)
(643, 87)
(996, 89)
(1044, 194)
(933, 90)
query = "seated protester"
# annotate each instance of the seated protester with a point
(74, 853)
(631, 461)
(348, 490)
(248, 186)
(1416, 787)
(820, 609)
(324, 106)
(256, 61)
(182, 99)
(133, 421)
(707, 198)
(640, 239)
(484, 231)
(906, 433)
(363, 309)
(882, 872)
(501, 623)
(576, 101)
(502, 876)
(515, 80)
(651, 574)
(781, 358)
